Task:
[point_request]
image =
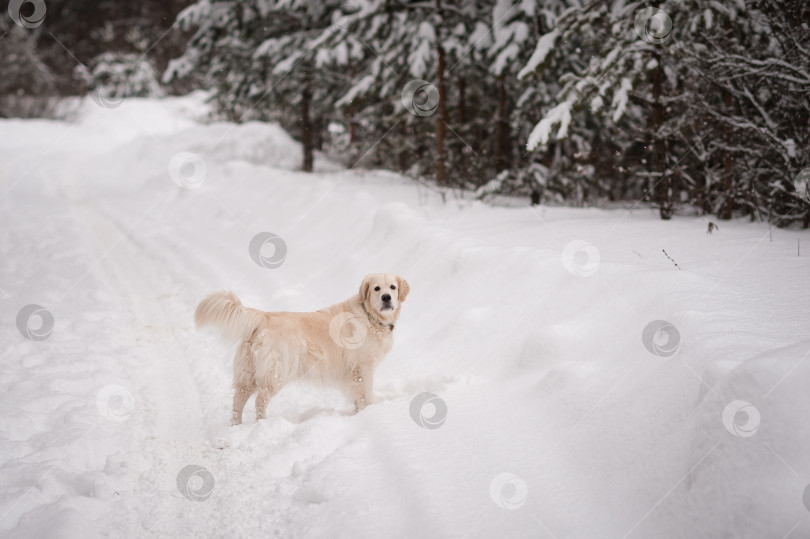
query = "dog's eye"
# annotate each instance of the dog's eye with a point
(393, 287)
(377, 289)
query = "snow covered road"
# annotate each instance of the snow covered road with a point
(563, 417)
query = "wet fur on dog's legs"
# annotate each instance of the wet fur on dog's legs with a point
(361, 387)
(240, 398)
(262, 399)
(244, 383)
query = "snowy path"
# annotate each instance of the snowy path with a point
(544, 373)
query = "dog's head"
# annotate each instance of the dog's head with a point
(382, 294)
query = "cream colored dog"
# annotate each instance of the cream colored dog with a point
(339, 345)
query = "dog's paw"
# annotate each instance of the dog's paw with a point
(360, 405)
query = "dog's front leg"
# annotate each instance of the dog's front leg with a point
(362, 387)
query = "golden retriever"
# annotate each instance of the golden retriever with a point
(340, 345)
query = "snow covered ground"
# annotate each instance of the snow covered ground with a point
(553, 414)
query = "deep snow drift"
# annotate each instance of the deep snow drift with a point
(564, 418)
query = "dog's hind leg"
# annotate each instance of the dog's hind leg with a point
(270, 377)
(265, 394)
(240, 398)
(244, 382)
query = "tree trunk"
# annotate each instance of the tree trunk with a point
(350, 112)
(462, 100)
(441, 123)
(403, 152)
(664, 185)
(441, 120)
(725, 210)
(502, 146)
(306, 122)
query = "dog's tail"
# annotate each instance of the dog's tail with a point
(225, 312)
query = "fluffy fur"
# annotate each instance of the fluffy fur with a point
(339, 345)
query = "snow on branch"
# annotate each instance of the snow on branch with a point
(359, 89)
(544, 46)
(559, 115)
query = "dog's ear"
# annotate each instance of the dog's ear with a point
(364, 289)
(403, 287)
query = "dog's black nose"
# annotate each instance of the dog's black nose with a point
(386, 297)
